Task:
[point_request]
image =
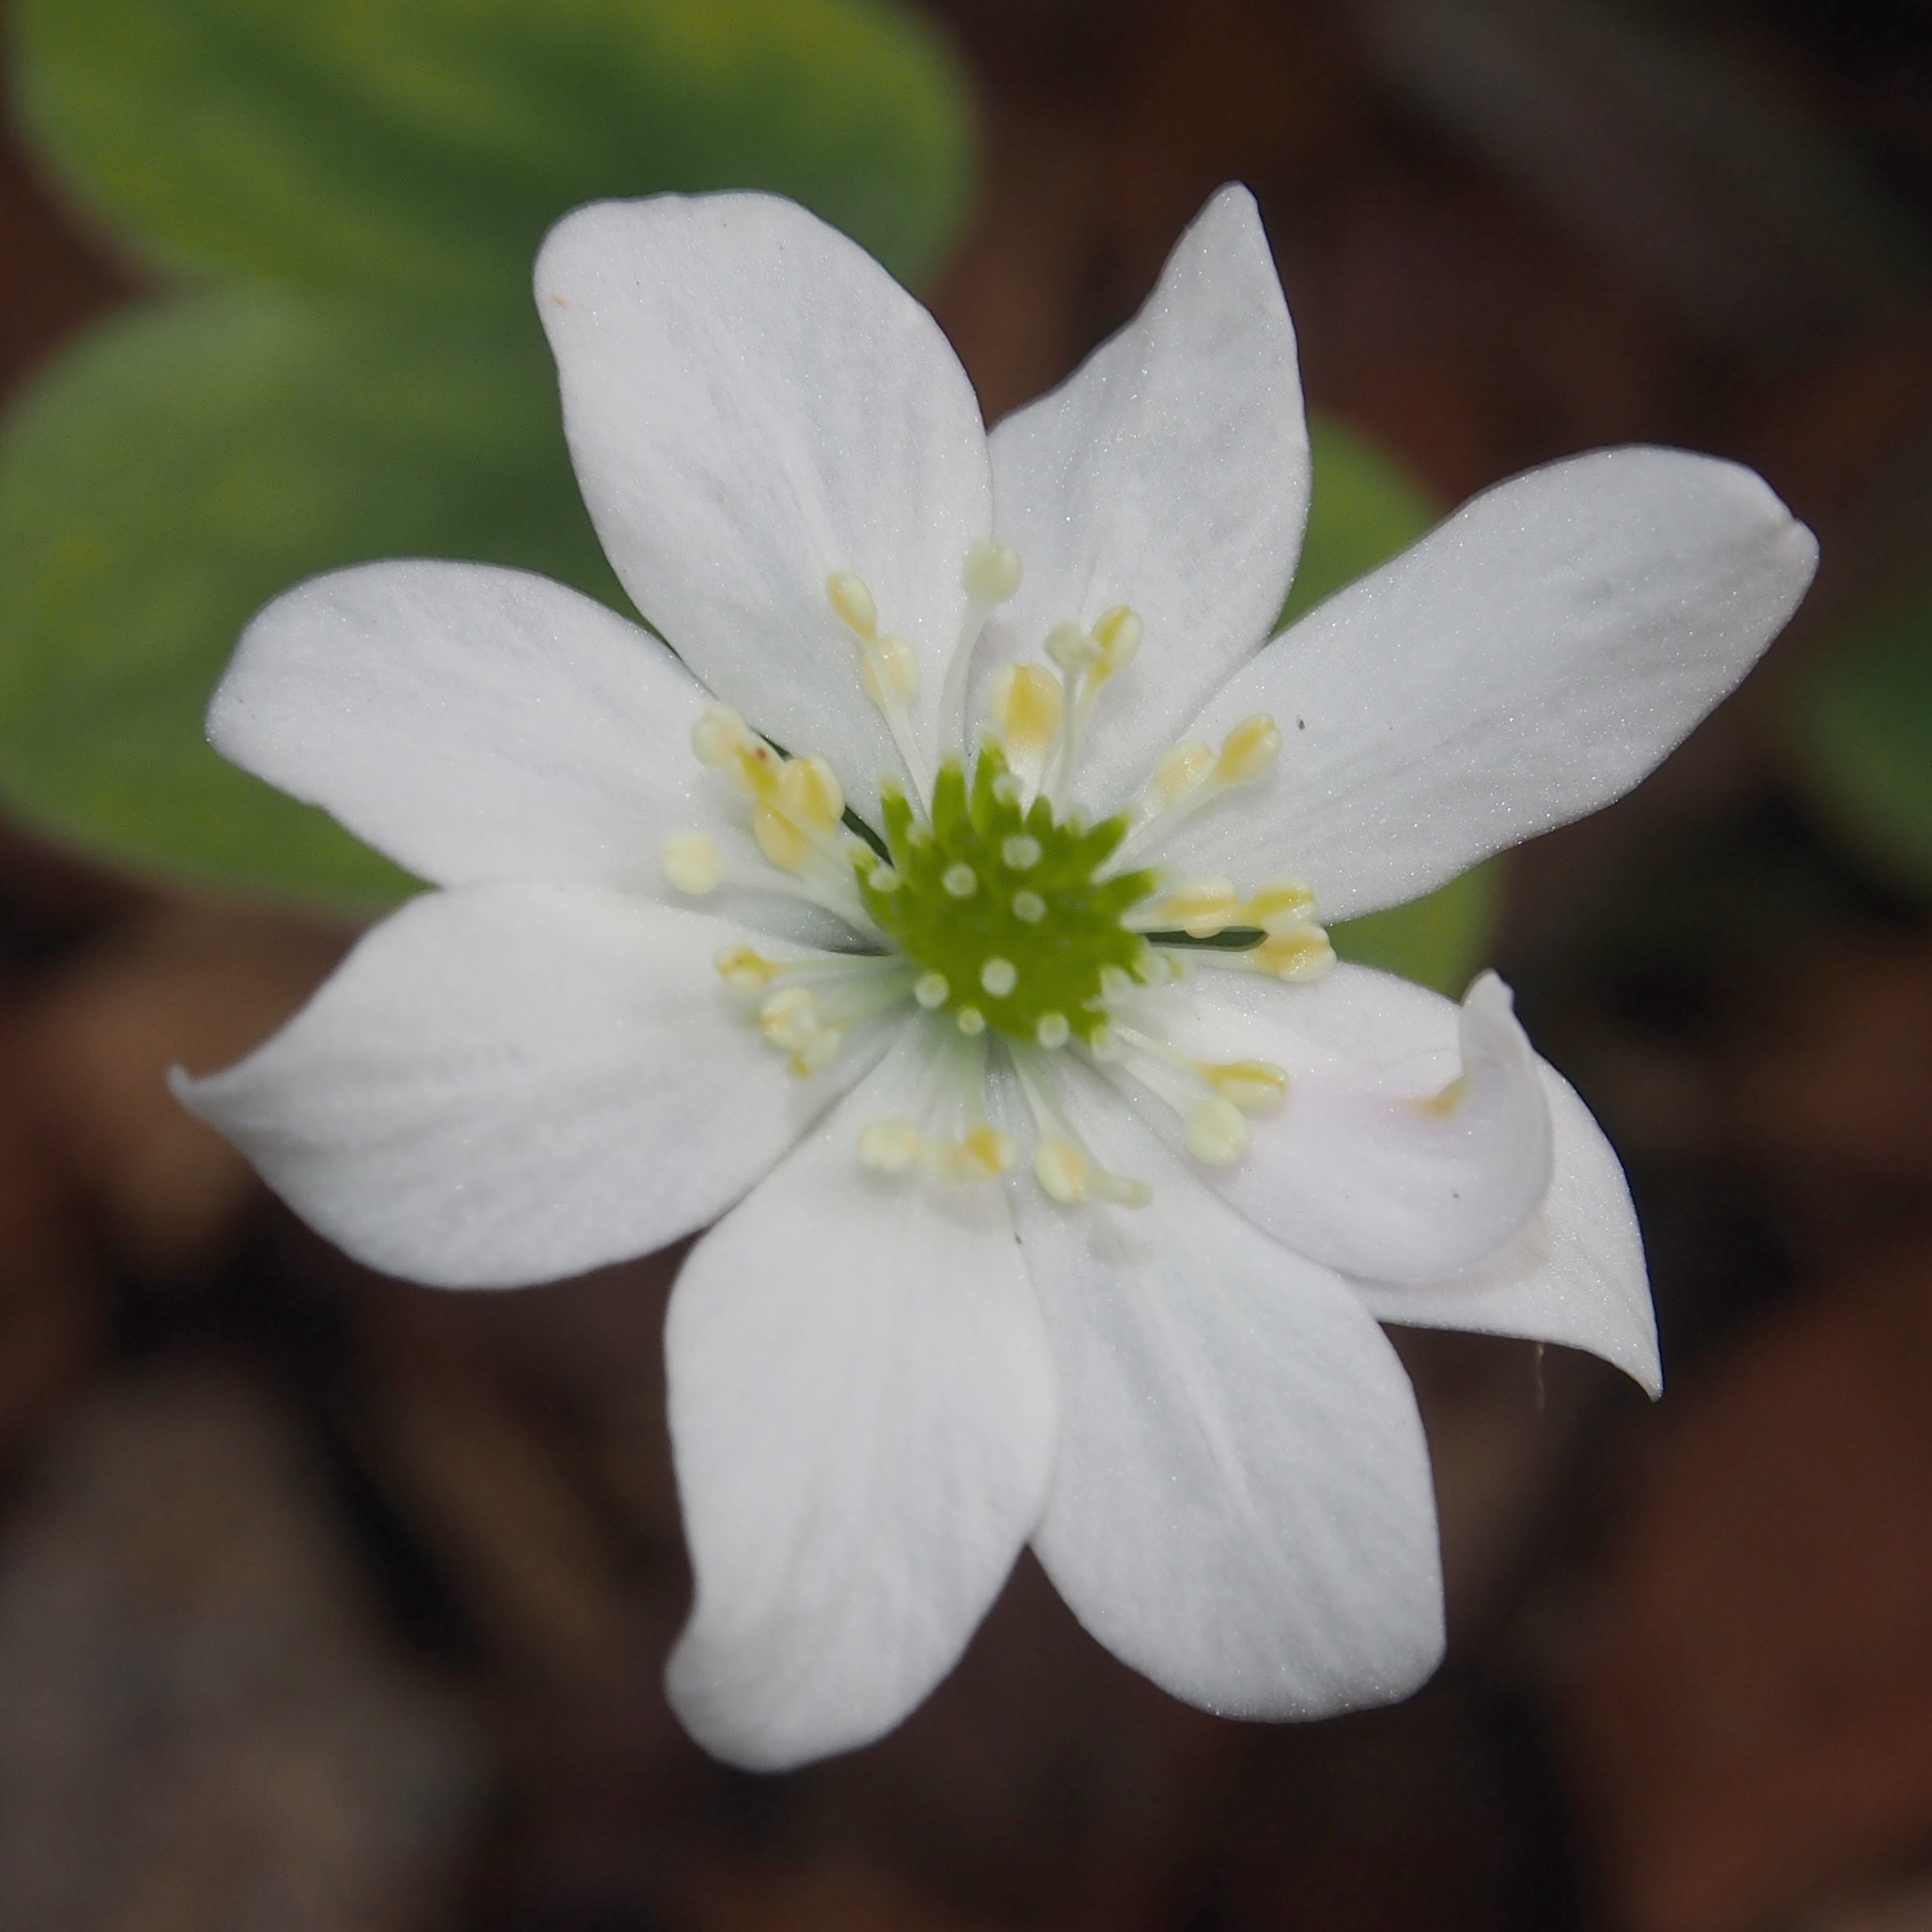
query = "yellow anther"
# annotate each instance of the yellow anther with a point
(1118, 633)
(992, 572)
(1216, 1131)
(1122, 1189)
(970, 1020)
(1073, 649)
(932, 990)
(780, 840)
(1202, 906)
(1180, 769)
(691, 863)
(959, 879)
(889, 1146)
(890, 672)
(998, 977)
(724, 742)
(1061, 1170)
(744, 971)
(1253, 1085)
(720, 737)
(1029, 908)
(1300, 952)
(983, 1154)
(853, 602)
(1020, 852)
(809, 790)
(883, 879)
(1442, 1105)
(1248, 750)
(1276, 907)
(1027, 706)
(790, 1019)
(1052, 1030)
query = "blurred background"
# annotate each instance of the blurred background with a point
(331, 1602)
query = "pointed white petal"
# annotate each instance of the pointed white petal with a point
(1574, 1274)
(508, 1084)
(1170, 473)
(1522, 665)
(471, 722)
(753, 404)
(862, 1411)
(1402, 1173)
(1242, 1505)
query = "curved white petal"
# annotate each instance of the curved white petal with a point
(1170, 473)
(1242, 1506)
(1400, 1172)
(1524, 664)
(862, 1414)
(1575, 1273)
(753, 404)
(473, 723)
(508, 1084)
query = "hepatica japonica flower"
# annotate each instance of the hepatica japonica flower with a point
(939, 915)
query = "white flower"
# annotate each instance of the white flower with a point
(1033, 1230)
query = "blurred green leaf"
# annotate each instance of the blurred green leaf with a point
(184, 464)
(418, 149)
(1863, 720)
(1364, 511)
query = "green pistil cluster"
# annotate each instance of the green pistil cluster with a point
(1001, 909)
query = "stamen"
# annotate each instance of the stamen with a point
(691, 863)
(888, 670)
(1201, 909)
(989, 576)
(1052, 1030)
(889, 1146)
(1183, 784)
(1027, 707)
(1066, 1169)
(1029, 907)
(1211, 1121)
(810, 1022)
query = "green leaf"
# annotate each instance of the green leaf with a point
(1364, 511)
(1439, 941)
(1861, 718)
(418, 149)
(184, 464)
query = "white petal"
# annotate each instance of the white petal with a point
(1522, 665)
(1242, 1505)
(1402, 1173)
(753, 404)
(471, 722)
(862, 1411)
(509, 1083)
(1170, 473)
(1575, 1273)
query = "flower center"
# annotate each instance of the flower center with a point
(1008, 911)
